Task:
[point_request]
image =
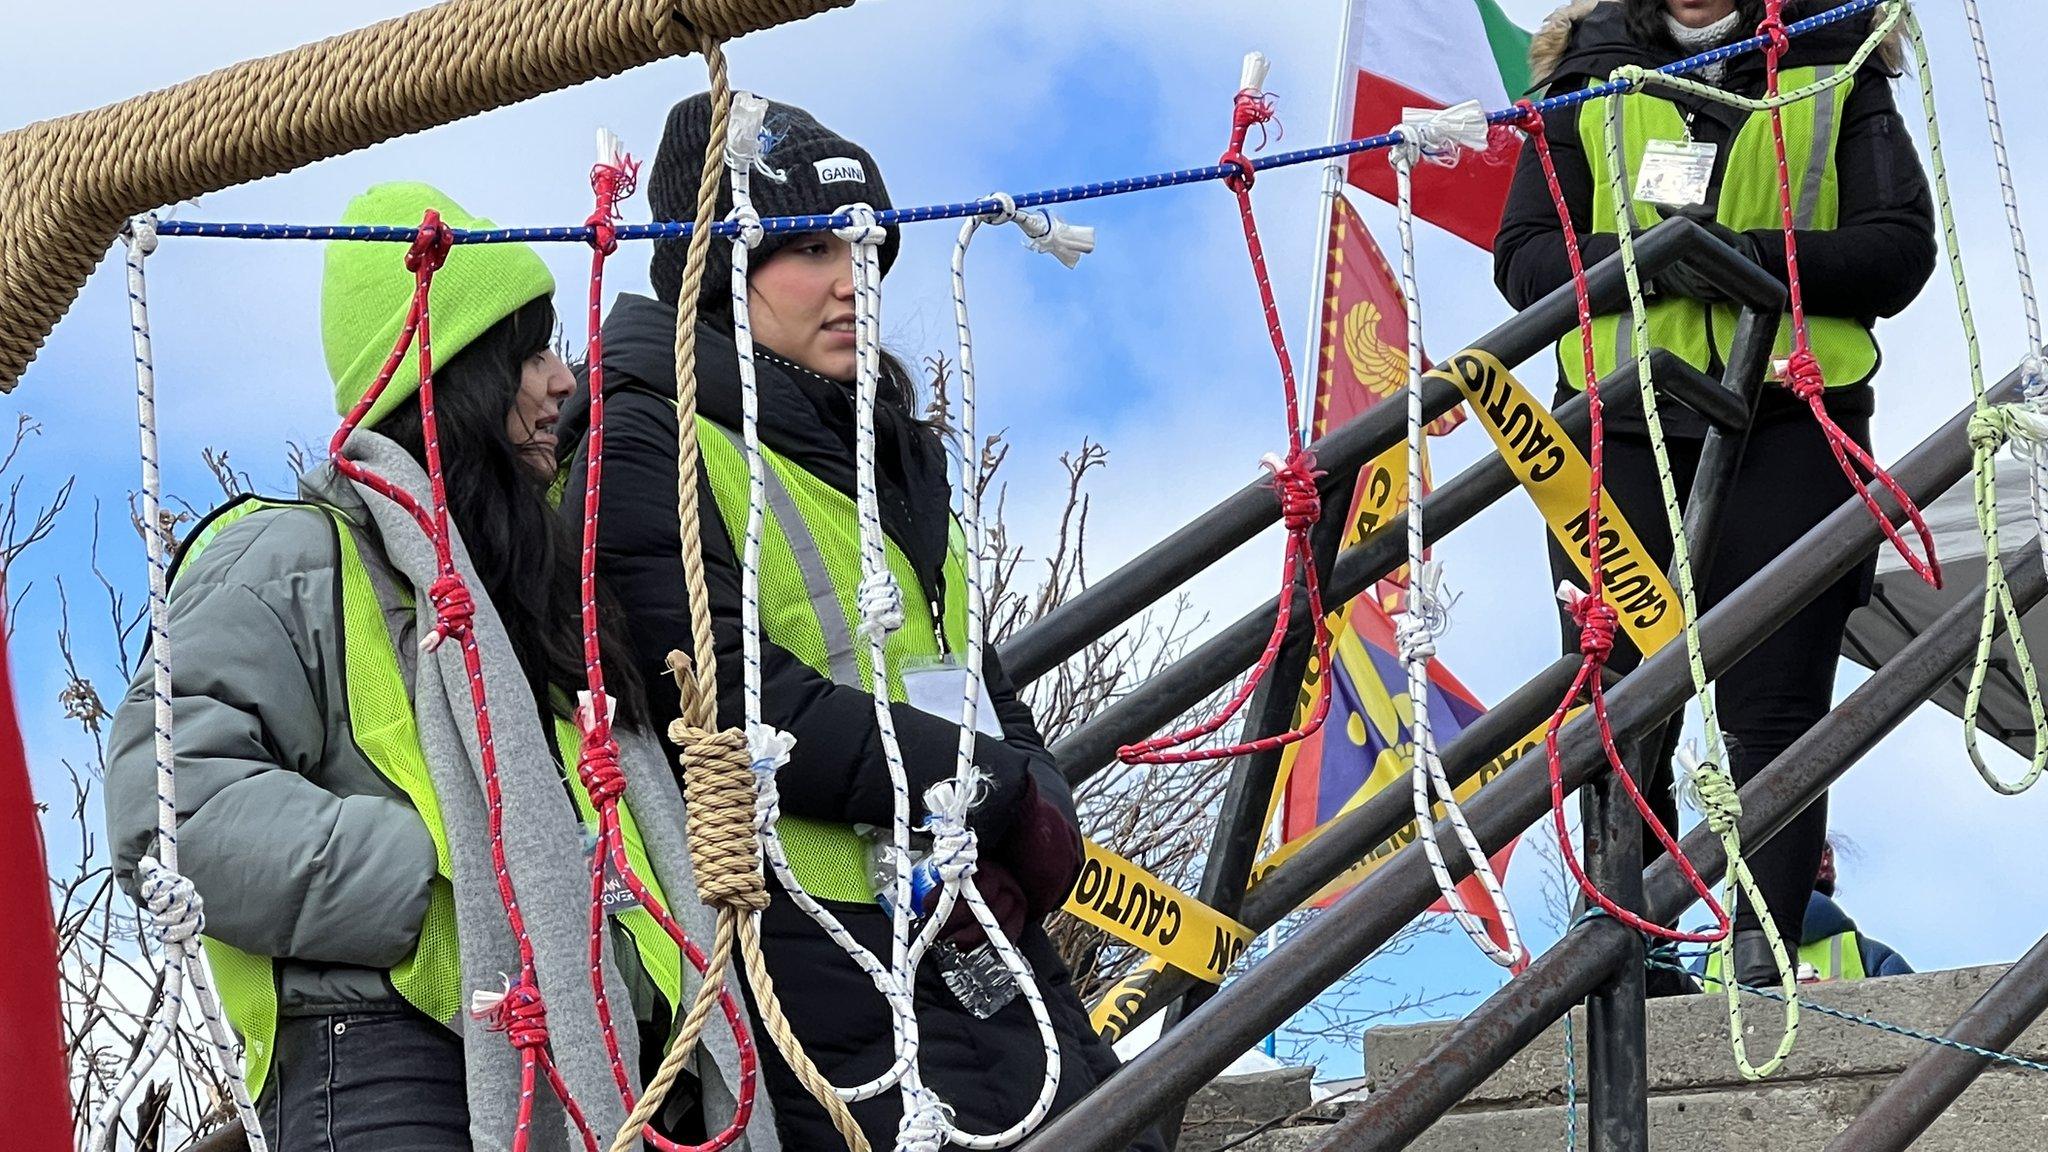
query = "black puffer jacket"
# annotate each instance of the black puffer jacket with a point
(988, 1070)
(1871, 265)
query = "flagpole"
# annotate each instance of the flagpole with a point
(1341, 86)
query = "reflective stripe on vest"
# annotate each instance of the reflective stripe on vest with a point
(381, 719)
(810, 573)
(1837, 957)
(1696, 332)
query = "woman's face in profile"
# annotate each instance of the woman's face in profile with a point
(544, 382)
(801, 300)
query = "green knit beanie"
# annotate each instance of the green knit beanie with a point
(366, 291)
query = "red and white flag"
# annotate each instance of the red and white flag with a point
(1435, 54)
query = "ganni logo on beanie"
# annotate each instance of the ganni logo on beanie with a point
(840, 170)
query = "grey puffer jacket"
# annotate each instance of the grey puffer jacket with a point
(302, 849)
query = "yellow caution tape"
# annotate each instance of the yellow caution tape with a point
(1142, 910)
(1555, 473)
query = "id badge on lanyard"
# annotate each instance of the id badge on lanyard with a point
(1676, 173)
(938, 686)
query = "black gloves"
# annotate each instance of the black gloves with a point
(1680, 280)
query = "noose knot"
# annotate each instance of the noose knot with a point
(454, 610)
(518, 1012)
(1294, 482)
(1597, 624)
(598, 767)
(719, 795)
(1803, 375)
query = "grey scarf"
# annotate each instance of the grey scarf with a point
(1693, 41)
(543, 840)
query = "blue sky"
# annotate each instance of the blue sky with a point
(1152, 347)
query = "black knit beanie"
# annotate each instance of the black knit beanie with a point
(805, 169)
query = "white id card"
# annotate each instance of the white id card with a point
(1676, 173)
(937, 686)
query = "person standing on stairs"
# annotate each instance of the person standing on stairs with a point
(985, 1061)
(1866, 249)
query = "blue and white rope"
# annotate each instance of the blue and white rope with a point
(769, 747)
(582, 234)
(172, 906)
(1425, 616)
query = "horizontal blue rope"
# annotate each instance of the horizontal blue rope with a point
(583, 233)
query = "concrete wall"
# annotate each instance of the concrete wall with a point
(1699, 1103)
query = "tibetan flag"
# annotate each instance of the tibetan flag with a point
(1434, 54)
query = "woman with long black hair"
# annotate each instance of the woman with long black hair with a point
(1865, 231)
(330, 810)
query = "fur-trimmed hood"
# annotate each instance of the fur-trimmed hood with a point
(1586, 34)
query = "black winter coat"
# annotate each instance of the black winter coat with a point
(1871, 265)
(988, 1069)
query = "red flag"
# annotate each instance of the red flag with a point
(31, 1023)
(1404, 54)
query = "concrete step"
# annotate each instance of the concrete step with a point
(1700, 1103)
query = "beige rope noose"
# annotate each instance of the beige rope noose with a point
(718, 779)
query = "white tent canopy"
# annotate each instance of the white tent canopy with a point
(1902, 606)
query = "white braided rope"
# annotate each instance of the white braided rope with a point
(1424, 618)
(769, 748)
(172, 907)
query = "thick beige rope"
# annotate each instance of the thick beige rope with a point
(67, 185)
(717, 770)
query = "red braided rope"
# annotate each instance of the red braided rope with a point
(522, 1013)
(1294, 483)
(598, 764)
(1802, 372)
(1596, 617)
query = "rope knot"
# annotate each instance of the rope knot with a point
(1440, 135)
(1711, 790)
(430, 245)
(1803, 376)
(598, 768)
(1990, 428)
(517, 1010)
(721, 798)
(954, 853)
(613, 180)
(454, 610)
(1773, 29)
(1427, 615)
(141, 233)
(862, 228)
(881, 604)
(1528, 117)
(1294, 481)
(176, 913)
(1005, 210)
(747, 226)
(926, 1122)
(1597, 622)
(769, 748)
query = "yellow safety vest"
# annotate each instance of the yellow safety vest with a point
(381, 717)
(810, 574)
(1837, 957)
(1702, 334)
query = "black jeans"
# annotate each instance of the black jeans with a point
(365, 1082)
(1789, 482)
